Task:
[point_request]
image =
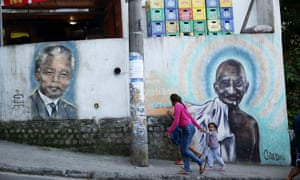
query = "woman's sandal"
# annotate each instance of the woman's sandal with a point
(183, 172)
(202, 168)
(179, 162)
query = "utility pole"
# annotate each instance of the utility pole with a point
(139, 134)
(1, 26)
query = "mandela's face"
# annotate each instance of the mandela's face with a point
(231, 83)
(54, 76)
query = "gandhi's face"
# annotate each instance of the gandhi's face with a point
(54, 76)
(231, 84)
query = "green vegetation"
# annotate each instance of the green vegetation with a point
(290, 17)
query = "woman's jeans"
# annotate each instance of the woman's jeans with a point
(186, 138)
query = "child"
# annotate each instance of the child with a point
(214, 147)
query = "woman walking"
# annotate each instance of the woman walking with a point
(187, 123)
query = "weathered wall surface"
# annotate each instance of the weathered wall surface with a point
(188, 67)
(97, 94)
(106, 136)
(94, 89)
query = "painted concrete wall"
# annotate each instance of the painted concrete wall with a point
(188, 67)
(185, 65)
(94, 89)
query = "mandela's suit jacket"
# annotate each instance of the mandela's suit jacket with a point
(39, 110)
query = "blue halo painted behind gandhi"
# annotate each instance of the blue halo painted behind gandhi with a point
(238, 131)
(54, 67)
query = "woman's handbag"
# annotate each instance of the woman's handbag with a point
(175, 136)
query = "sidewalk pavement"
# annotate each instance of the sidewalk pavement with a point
(26, 159)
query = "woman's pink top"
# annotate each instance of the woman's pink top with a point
(181, 117)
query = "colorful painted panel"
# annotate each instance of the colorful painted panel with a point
(235, 81)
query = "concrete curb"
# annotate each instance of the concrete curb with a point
(36, 160)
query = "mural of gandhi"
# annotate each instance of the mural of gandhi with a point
(238, 131)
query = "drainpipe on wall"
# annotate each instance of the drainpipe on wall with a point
(139, 135)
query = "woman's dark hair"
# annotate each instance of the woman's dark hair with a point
(175, 98)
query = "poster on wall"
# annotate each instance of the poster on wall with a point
(237, 82)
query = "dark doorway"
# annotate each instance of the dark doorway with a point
(57, 20)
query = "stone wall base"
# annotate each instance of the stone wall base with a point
(105, 136)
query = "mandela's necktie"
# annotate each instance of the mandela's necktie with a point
(53, 110)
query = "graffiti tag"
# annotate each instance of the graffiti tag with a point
(159, 105)
(18, 101)
(268, 155)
